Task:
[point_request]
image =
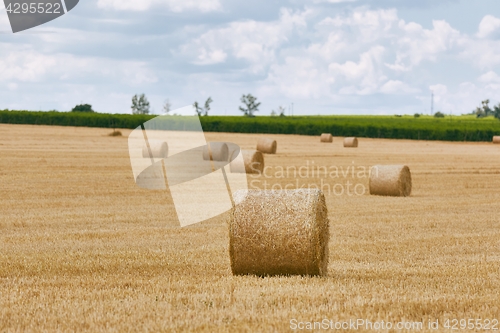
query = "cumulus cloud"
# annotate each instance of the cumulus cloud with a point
(369, 52)
(416, 44)
(298, 78)
(251, 41)
(396, 87)
(489, 77)
(173, 5)
(489, 27)
(465, 97)
(310, 51)
(31, 66)
(365, 76)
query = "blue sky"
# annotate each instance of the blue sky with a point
(324, 56)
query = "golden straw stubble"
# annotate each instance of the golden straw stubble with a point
(216, 151)
(326, 137)
(279, 232)
(390, 180)
(350, 142)
(159, 149)
(496, 139)
(267, 145)
(253, 162)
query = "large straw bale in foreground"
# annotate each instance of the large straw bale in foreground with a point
(279, 233)
(159, 149)
(267, 145)
(350, 142)
(496, 139)
(326, 137)
(253, 162)
(390, 180)
(216, 151)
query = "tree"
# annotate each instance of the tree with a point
(250, 105)
(273, 113)
(167, 107)
(202, 110)
(486, 107)
(207, 105)
(82, 108)
(479, 112)
(496, 111)
(140, 104)
(439, 114)
(282, 111)
(198, 109)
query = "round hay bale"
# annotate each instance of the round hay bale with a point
(326, 137)
(496, 139)
(279, 232)
(216, 151)
(267, 146)
(351, 142)
(390, 180)
(253, 162)
(159, 149)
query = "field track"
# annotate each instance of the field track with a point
(83, 248)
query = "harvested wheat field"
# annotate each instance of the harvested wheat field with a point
(82, 248)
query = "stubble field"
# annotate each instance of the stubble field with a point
(82, 248)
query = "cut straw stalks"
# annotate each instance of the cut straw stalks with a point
(496, 139)
(350, 142)
(253, 162)
(279, 233)
(267, 146)
(159, 149)
(216, 151)
(390, 180)
(326, 137)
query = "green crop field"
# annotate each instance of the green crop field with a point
(450, 128)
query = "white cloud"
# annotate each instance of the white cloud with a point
(209, 57)
(173, 5)
(464, 99)
(367, 25)
(315, 56)
(364, 76)
(416, 44)
(30, 66)
(489, 27)
(489, 77)
(252, 41)
(396, 87)
(484, 54)
(298, 78)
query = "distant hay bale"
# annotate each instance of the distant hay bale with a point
(253, 162)
(115, 133)
(267, 146)
(159, 149)
(326, 137)
(496, 139)
(282, 232)
(216, 151)
(350, 142)
(390, 180)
